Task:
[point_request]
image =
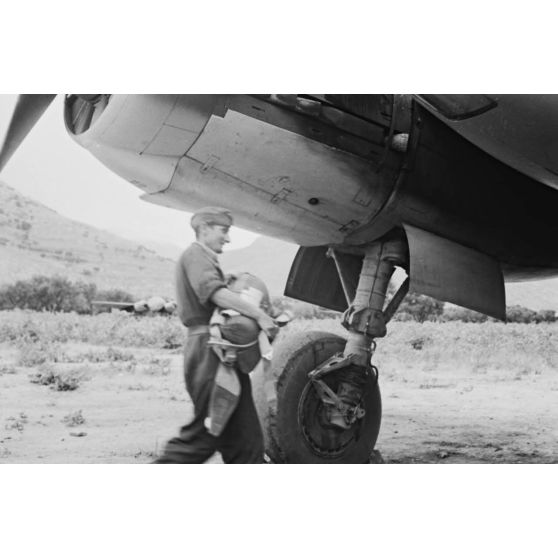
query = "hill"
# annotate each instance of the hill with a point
(37, 240)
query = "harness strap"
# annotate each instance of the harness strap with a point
(197, 330)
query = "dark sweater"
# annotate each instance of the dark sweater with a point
(198, 276)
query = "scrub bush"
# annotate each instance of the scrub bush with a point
(53, 294)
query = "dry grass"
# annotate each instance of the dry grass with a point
(120, 329)
(509, 350)
(49, 376)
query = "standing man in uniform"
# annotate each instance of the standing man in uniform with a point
(200, 288)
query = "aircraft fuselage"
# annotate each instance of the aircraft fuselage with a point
(327, 170)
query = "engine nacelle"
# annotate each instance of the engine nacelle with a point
(305, 172)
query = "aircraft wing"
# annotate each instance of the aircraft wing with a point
(127, 306)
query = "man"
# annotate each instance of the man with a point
(201, 287)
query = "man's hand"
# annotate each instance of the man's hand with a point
(268, 325)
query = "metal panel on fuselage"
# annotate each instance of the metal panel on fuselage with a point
(293, 187)
(287, 166)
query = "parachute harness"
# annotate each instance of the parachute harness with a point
(226, 388)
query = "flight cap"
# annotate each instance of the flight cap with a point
(211, 216)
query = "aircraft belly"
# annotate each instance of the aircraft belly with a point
(520, 131)
(276, 181)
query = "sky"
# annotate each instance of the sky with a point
(51, 168)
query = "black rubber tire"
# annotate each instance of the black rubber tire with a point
(277, 396)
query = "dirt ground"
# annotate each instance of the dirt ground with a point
(124, 409)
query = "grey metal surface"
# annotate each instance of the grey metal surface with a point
(454, 273)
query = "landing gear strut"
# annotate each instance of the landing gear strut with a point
(326, 405)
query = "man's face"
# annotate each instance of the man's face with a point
(214, 237)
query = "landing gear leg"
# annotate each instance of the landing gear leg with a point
(365, 318)
(327, 407)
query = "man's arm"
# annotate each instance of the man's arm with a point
(225, 298)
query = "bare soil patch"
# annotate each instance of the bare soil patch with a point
(125, 401)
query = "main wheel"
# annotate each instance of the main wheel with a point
(292, 413)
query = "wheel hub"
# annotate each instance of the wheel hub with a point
(331, 410)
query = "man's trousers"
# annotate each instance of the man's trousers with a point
(242, 439)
